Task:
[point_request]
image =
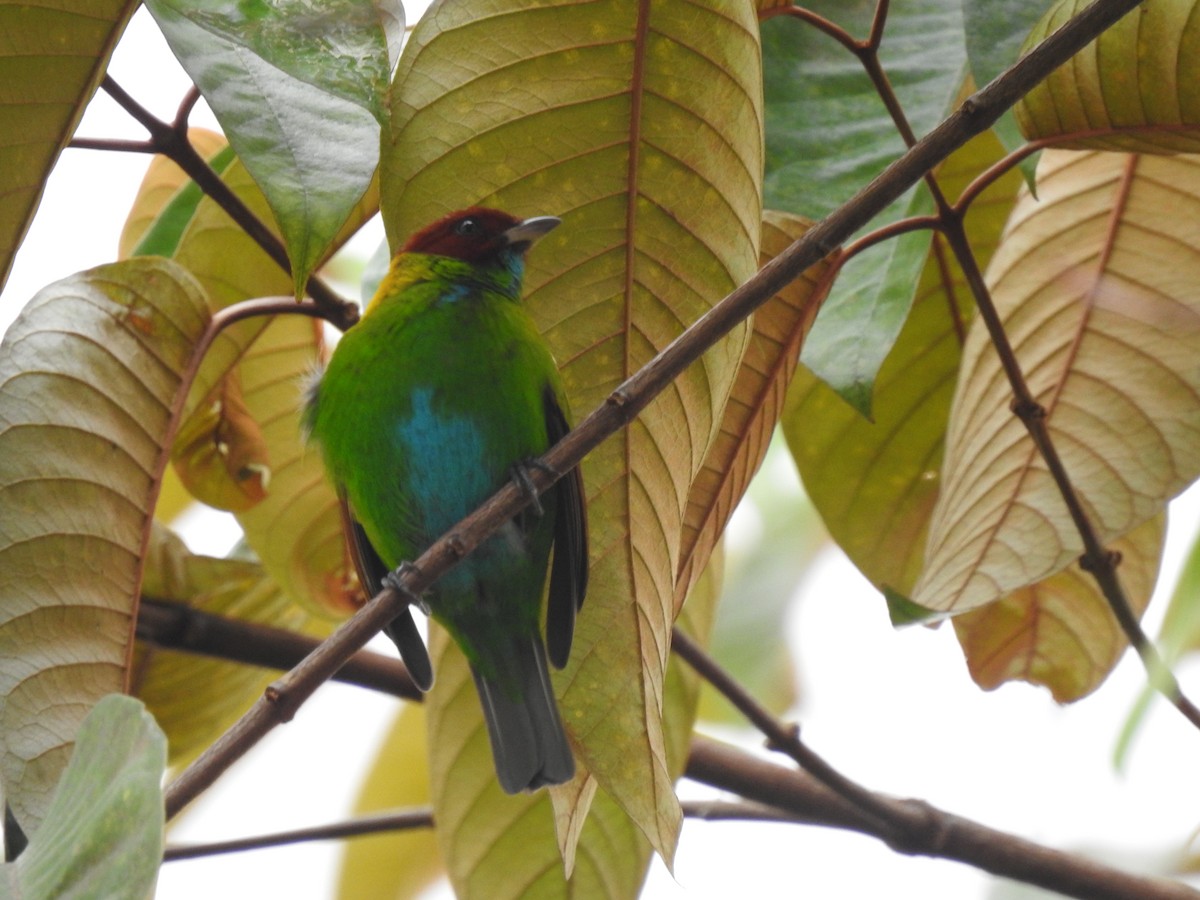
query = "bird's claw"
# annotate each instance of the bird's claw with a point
(520, 476)
(395, 581)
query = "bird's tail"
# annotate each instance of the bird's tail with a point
(529, 745)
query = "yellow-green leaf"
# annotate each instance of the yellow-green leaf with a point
(165, 185)
(391, 866)
(497, 846)
(755, 402)
(1095, 285)
(1061, 632)
(53, 58)
(641, 126)
(88, 376)
(1135, 88)
(875, 482)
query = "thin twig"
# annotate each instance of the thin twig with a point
(359, 826)
(783, 738)
(974, 116)
(172, 142)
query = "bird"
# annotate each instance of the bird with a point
(443, 392)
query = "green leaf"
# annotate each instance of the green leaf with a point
(759, 586)
(1178, 636)
(875, 483)
(88, 376)
(163, 238)
(103, 832)
(1136, 88)
(343, 47)
(996, 34)
(641, 127)
(54, 56)
(312, 151)
(828, 135)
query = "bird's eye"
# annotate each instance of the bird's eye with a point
(467, 228)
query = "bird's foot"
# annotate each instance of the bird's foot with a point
(520, 476)
(395, 581)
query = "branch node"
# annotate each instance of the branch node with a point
(791, 731)
(926, 833)
(618, 399)
(1027, 410)
(1108, 560)
(279, 698)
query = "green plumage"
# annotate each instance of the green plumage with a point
(423, 411)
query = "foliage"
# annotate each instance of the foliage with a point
(683, 146)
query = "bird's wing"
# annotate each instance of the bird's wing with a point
(402, 629)
(569, 572)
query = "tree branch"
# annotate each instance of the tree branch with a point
(359, 826)
(173, 626)
(911, 827)
(943, 835)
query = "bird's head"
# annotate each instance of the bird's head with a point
(479, 235)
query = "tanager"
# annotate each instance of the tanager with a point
(441, 393)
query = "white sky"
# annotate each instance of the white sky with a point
(895, 710)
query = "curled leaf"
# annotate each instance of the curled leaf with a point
(220, 454)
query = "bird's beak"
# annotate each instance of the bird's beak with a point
(522, 235)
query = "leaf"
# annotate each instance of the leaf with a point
(220, 454)
(167, 199)
(755, 402)
(195, 698)
(1094, 285)
(88, 374)
(1061, 632)
(644, 135)
(404, 863)
(103, 833)
(996, 34)
(338, 46)
(497, 846)
(828, 135)
(55, 55)
(312, 152)
(296, 530)
(874, 483)
(1135, 88)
